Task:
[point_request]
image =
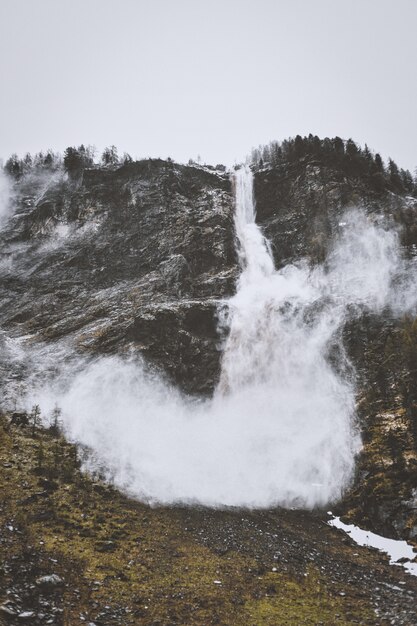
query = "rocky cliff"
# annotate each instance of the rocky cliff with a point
(142, 257)
(137, 257)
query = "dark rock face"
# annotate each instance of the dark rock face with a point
(184, 338)
(138, 257)
(299, 208)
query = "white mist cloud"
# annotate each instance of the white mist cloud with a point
(363, 264)
(242, 449)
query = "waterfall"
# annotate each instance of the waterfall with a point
(253, 250)
(280, 429)
(275, 363)
(257, 268)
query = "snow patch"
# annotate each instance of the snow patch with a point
(395, 548)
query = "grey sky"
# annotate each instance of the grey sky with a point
(186, 77)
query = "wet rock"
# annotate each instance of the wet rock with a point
(176, 272)
(50, 580)
(402, 560)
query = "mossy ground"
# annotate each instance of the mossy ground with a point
(126, 563)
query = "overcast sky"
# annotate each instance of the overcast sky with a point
(183, 78)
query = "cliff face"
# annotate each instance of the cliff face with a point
(134, 258)
(300, 208)
(142, 258)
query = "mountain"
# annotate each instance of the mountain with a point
(141, 259)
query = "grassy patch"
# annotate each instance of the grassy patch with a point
(126, 563)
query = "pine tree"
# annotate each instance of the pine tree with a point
(339, 146)
(72, 161)
(369, 159)
(48, 160)
(14, 166)
(35, 418)
(110, 156)
(394, 176)
(379, 164)
(298, 147)
(27, 162)
(407, 180)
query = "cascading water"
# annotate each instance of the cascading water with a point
(255, 257)
(275, 362)
(279, 429)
